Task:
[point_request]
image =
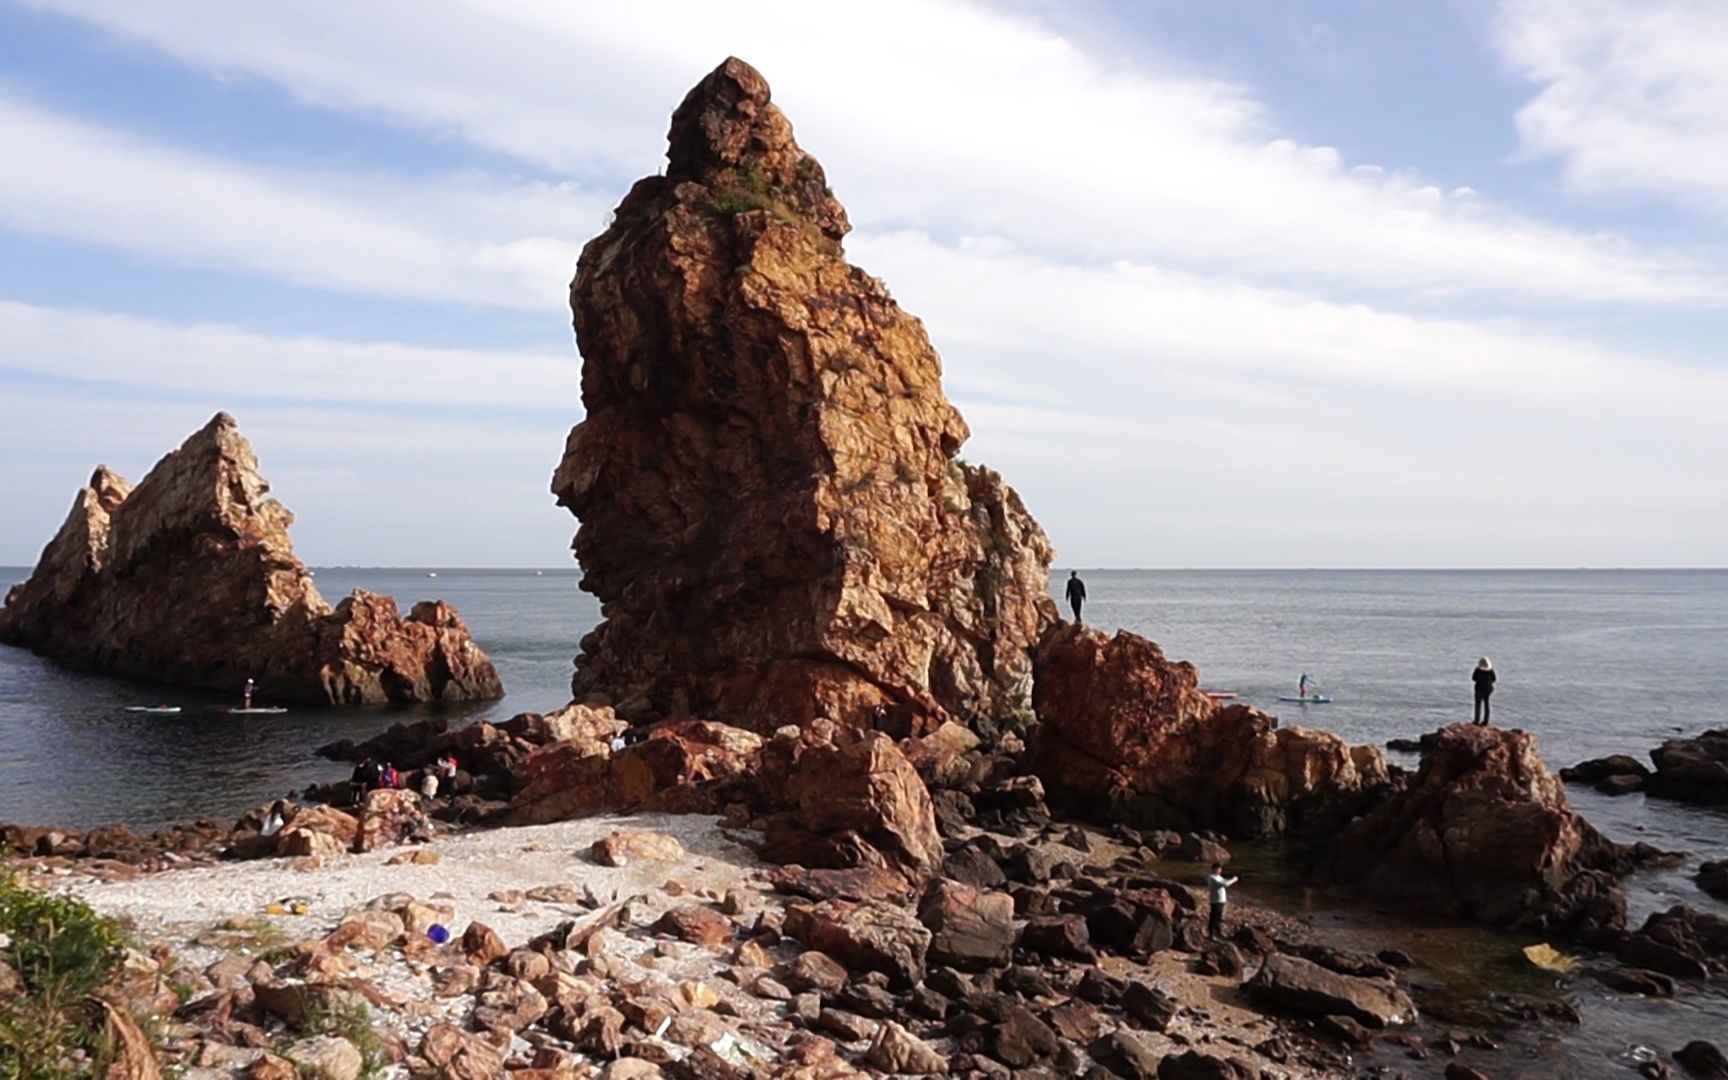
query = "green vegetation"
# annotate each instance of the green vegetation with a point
(351, 1021)
(55, 954)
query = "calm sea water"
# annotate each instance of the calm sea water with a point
(1593, 662)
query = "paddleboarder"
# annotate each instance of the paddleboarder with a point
(1483, 677)
(246, 695)
(1302, 686)
(1076, 593)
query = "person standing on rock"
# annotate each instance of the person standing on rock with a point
(1219, 886)
(1076, 593)
(1483, 677)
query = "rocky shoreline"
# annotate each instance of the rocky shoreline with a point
(838, 793)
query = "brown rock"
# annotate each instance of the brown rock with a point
(1193, 1065)
(508, 1006)
(773, 514)
(328, 820)
(326, 1057)
(109, 594)
(969, 929)
(1125, 730)
(482, 944)
(860, 804)
(815, 970)
(674, 769)
(697, 925)
(460, 1055)
(391, 816)
(1303, 988)
(132, 1058)
(863, 937)
(898, 1051)
(625, 846)
(1485, 831)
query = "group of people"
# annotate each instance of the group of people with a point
(371, 775)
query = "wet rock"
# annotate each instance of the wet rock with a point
(811, 438)
(1395, 958)
(626, 846)
(1703, 1060)
(1484, 831)
(1622, 784)
(1598, 769)
(896, 1050)
(1712, 877)
(1457, 1070)
(969, 929)
(1692, 770)
(110, 594)
(1125, 731)
(1300, 987)
(1682, 942)
(1637, 981)
(864, 938)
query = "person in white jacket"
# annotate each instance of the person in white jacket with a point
(1219, 886)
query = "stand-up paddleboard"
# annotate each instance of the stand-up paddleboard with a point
(1311, 699)
(1221, 695)
(262, 710)
(153, 708)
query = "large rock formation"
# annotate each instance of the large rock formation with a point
(1484, 831)
(190, 579)
(1126, 733)
(773, 514)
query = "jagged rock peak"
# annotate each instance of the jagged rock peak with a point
(190, 578)
(773, 513)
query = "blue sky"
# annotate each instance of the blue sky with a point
(1266, 283)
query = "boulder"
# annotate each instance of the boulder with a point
(863, 937)
(676, 768)
(1127, 733)
(969, 929)
(840, 806)
(1484, 831)
(190, 579)
(1681, 942)
(1597, 770)
(622, 847)
(1692, 770)
(1194, 1065)
(326, 1057)
(1702, 1060)
(901, 1053)
(1298, 987)
(305, 843)
(774, 515)
(338, 825)
(1712, 877)
(391, 816)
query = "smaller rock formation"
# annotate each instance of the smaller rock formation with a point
(1125, 732)
(190, 579)
(1484, 831)
(1301, 987)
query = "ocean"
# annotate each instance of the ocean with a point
(1592, 661)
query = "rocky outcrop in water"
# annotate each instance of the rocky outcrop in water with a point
(1484, 831)
(190, 579)
(1126, 733)
(774, 516)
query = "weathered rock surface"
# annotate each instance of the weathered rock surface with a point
(190, 579)
(1692, 770)
(1124, 731)
(773, 513)
(674, 769)
(1484, 830)
(1301, 987)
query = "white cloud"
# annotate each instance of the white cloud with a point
(1634, 93)
(978, 122)
(231, 364)
(458, 238)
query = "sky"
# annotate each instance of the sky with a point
(1263, 283)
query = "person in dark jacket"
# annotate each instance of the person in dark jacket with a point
(1483, 677)
(1076, 593)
